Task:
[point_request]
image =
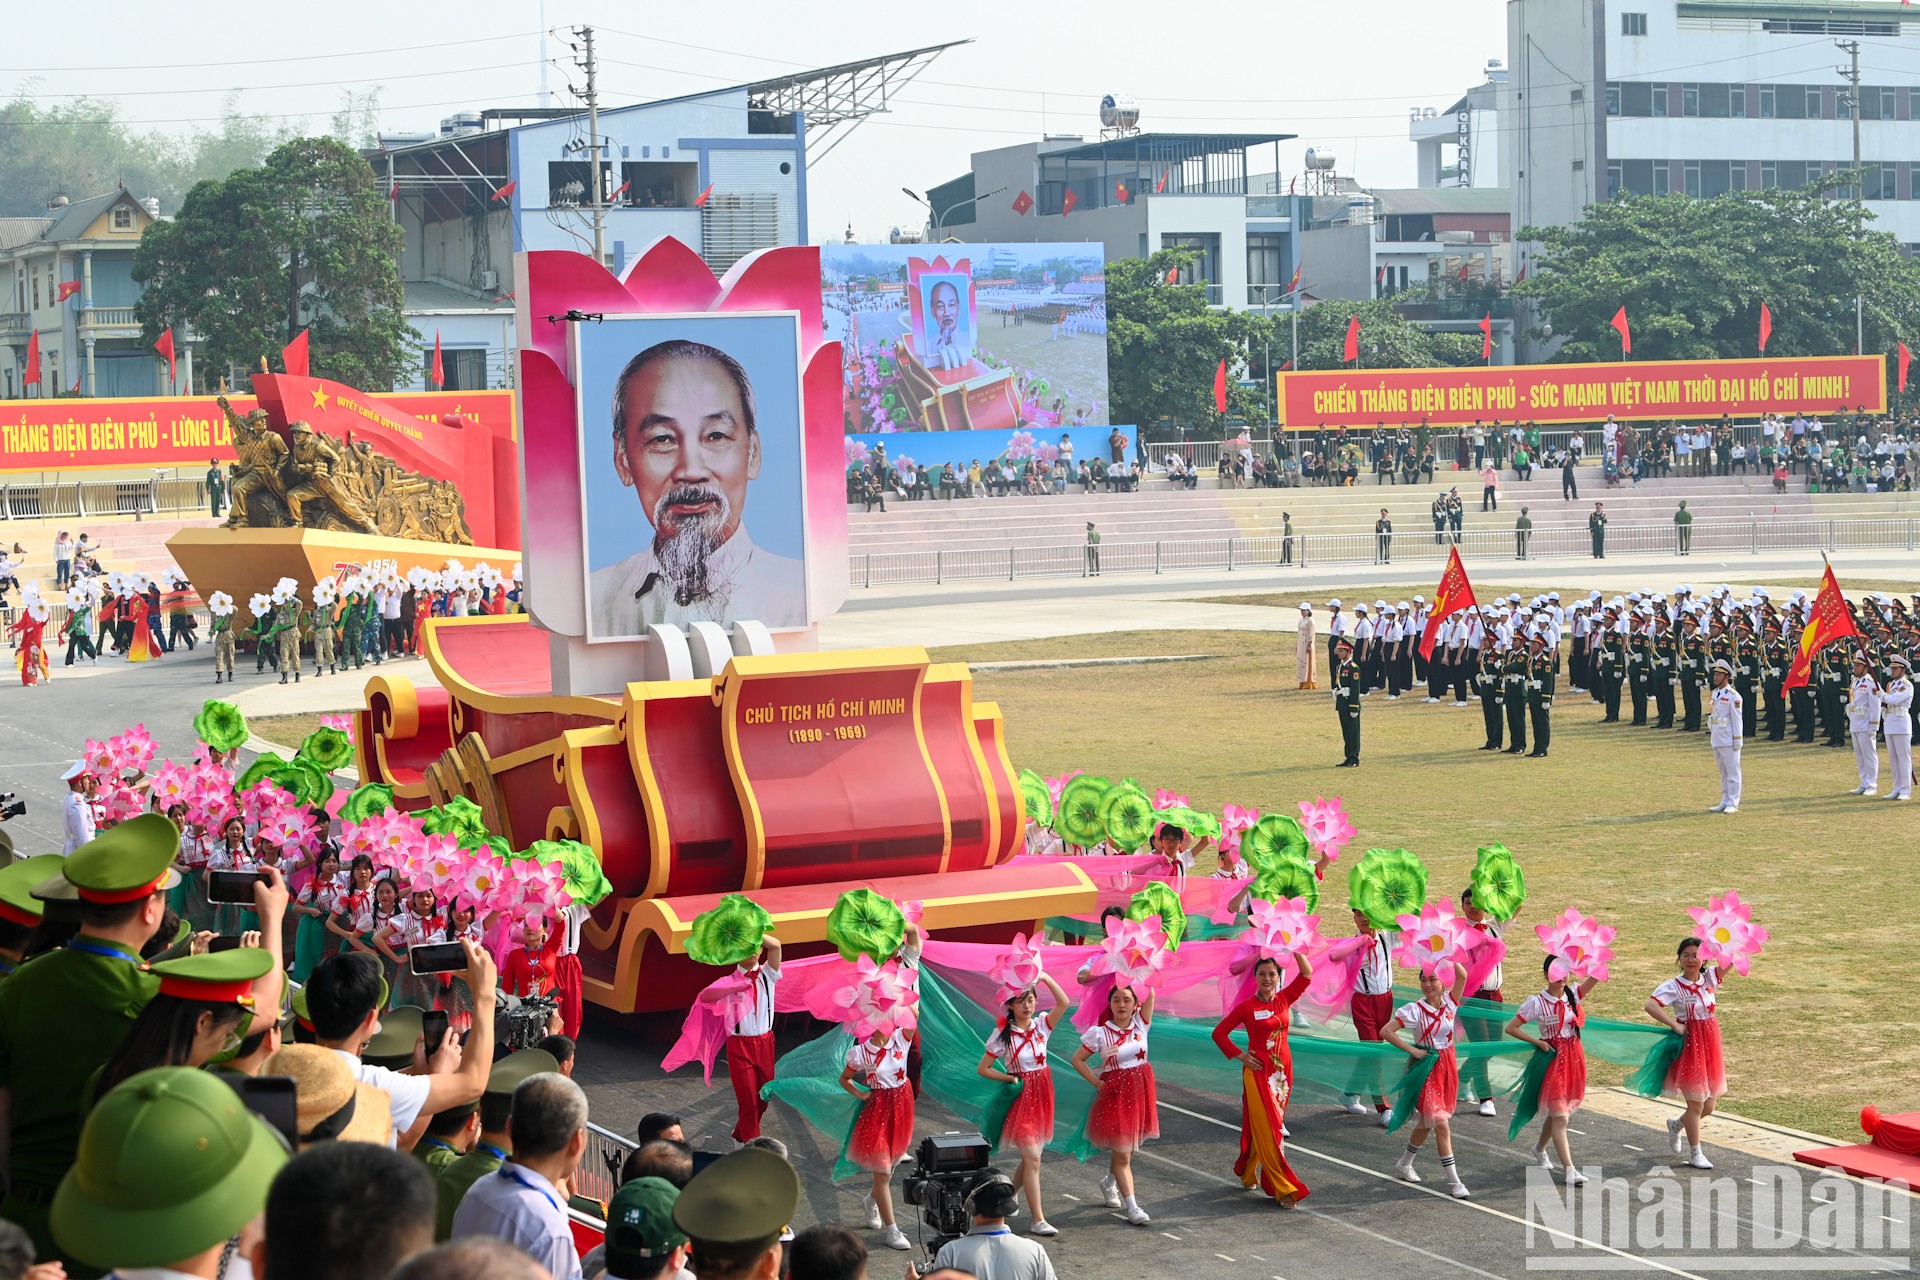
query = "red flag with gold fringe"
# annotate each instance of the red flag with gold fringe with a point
(1452, 595)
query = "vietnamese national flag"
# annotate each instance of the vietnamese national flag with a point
(67, 290)
(1220, 388)
(1352, 351)
(1486, 338)
(33, 359)
(1619, 322)
(1022, 203)
(1173, 275)
(76, 383)
(1766, 327)
(1160, 187)
(700, 201)
(1454, 594)
(506, 191)
(1068, 202)
(439, 370)
(294, 356)
(165, 348)
(1120, 192)
(1829, 621)
(1293, 285)
(1906, 358)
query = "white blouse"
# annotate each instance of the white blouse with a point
(885, 1067)
(1432, 1028)
(1690, 1000)
(1117, 1049)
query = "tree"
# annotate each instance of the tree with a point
(1388, 340)
(1165, 343)
(306, 240)
(1693, 273)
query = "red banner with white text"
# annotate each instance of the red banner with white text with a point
(1685, 390)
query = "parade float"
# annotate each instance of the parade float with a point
(696, 740)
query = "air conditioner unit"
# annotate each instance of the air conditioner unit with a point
(489, 279)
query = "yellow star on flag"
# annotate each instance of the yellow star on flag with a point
(319, 398)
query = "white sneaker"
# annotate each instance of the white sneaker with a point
(873, 1213)
(1676, 1136)
(1284, 1131)
(1719, 808)
(1459, 704)
(1858, 791)
(1110, 1190)
(1043, 1228)
(1355, 1107)
(1403, 1167)
(1459, 1189)
(1393, 697)
(1486, 1107)
(894, 1238)
(1543, 1158)
(1429, 700)
(1138, 1216)
(1699, 1160)
(1575, 1178)
(1731, 809)
(1385, 1118)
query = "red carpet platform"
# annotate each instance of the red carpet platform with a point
(1894, 1152)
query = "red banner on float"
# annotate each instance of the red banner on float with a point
(180, 431)
(1688, 390)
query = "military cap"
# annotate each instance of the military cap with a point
(507, 1073)
(1721, 664)
(1899, 660)
(400, 1029)
(640, 1226)
(74, 770)
(742, 1200)
(218, 977)
(170, 1164)
(1343, 643)
(126, 863)
(17, 881)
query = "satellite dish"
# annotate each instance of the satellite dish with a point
(1119, 112)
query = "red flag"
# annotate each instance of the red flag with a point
(294, 355)
(165, 348)
(1828, 622)
(1452, 595)
(393, 192)
(1352, 352)
(33, 359)
(1286, 364)
(700, 201)
(1068, 202)
(1906, 358)
(1173, 275)
(1292, 183)
(1619, 322)
(506, 191)
(1293, 285)
(1220, 388)
(1120, 191)
(1379, 277)
(1022, 203)
(1522, 277)
(439, 371)
(76, 383)
(67, 290)
(1161, 186)
(1463, 271)
(621, 190)
(1486, 338)
(1766, 327)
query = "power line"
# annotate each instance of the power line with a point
(253, 62)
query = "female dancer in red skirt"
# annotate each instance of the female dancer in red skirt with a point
(1126, 1110)
(1431, 1020)
(1021, 1043)
(1266, 1078)
(884, 1129)
(1558, 1013)
(1699, 1075)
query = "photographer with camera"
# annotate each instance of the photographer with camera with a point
(990, 1250)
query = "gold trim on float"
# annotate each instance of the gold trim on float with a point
(962, 674)
(634, 722)
(574, 743)
(991, 711)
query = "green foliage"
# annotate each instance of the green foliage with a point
(1693, 273)
(307, 240)
(1388, 340)
(1164, 344)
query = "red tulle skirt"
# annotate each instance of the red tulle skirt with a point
(1029, 1124)
(1126, 1110)
(566, 986)
(883, 1131)
(1441, 1093)
(1564, 1087)
(1700, 1072)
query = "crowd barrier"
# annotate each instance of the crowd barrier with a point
(76, 498)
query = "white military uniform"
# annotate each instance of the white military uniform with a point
(1863, 721)
(1896, 717)
(1723, 727)
(79, 822)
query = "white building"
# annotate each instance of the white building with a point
(1460, 146)
(1704, 97)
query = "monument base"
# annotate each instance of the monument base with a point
(243, 561)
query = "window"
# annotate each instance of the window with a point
(1715, 177)
(1266, 263)
(1616, 178)
(1737, 101)
(1877, 103)
(1691, 170)
(1815, 109)
(1579, 166)
(1879, 181)
(1636, 99)
(1578, 94)
(1716, 101)
(1662, 183)
(1205, 267)
(36, 291)
(1613, 97)
(1766, 101)
(465, 369)
(1633, 24)
(1737, 177)
(1792, 100)
(122, 218)
(1843, 104)
(1792, 173)
(1689, 99)
(1659, 101)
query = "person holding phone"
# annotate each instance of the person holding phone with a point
(419, 924)
(205, 1006)
(316, 903)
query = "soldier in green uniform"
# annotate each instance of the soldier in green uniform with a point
(223, 646)
(353, 626)
(1665, 662)
(450, 1135)
(1773, 678)
(1639, 672)
(111, 1210)
(20, 911)
(1513, 696)
(1540, 686)
(262, 634)
(92, 990)
(323, 625)
(1487, 677)
(1833, 677)
(1693, 671)
(1612, 665)
(734, 1212)
(286, 635)
(491, 1148)
(1346, 701)
(1747, 674)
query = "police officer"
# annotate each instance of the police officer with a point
(1896, 718)
(1346, 701)
(734, 1212)
(1513, 696)
(1863, 722)
(1540, 684)
(20, 911)
(491, 1148)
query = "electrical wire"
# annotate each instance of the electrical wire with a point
(249, 62)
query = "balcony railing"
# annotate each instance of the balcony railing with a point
(13, 322)
(108, 318)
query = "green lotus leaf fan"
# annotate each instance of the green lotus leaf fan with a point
(1159, 899)
(368, 800)
(1126, 813)
(1273, 839)
(1035, 796)
(1386, 884)
(586, 882)
(1289, 877)
(1499, 887)
(328, 748)
(261, 770)
(220, 725)
(730, 933)
(1078, 819)
(866, 923)
(1192, 821)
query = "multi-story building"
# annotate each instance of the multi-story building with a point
(67, 276)
(1460, 146)
(1707, 96)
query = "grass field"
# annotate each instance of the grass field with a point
(286, 731)
(1614, 822)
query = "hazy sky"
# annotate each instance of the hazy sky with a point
(1340, 74)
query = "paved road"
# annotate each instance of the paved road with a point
(1360, 1220)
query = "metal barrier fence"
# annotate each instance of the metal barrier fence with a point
(1403, 546)
(598, 1176)
(78, 498)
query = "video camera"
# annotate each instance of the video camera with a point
(11, 805)
(948, 1169)
(520, 1022)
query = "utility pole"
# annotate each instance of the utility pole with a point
(1851, 74)
(596, 196)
